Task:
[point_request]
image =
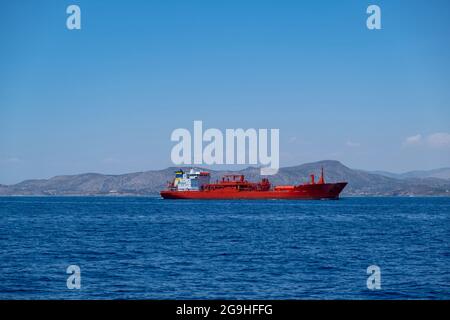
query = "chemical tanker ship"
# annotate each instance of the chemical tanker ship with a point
(196, 185)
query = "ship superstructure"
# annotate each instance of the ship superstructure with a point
(190, 181)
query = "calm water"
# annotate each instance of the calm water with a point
(148, 248)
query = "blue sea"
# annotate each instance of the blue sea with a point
(149, 248)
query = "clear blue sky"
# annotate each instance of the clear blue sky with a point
(107, 97)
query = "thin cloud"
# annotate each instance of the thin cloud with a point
(12, 160)
(413, 140)
(352, 144)
(436, 140)
(439, 140)
(111, 160)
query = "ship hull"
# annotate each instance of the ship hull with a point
(303, 192)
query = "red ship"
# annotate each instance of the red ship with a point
(195, 185)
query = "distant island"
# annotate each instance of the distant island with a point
(360, 183)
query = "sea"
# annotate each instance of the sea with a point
(150, 248)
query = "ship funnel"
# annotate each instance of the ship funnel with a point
(322, 179)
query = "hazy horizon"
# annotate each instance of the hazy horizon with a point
(220, 168)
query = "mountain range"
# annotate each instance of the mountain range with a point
(362, 183)
(441, 173)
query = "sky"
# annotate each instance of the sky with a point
(107, 97)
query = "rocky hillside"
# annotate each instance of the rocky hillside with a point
(151, 182)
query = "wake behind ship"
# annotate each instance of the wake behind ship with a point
(196, 185)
